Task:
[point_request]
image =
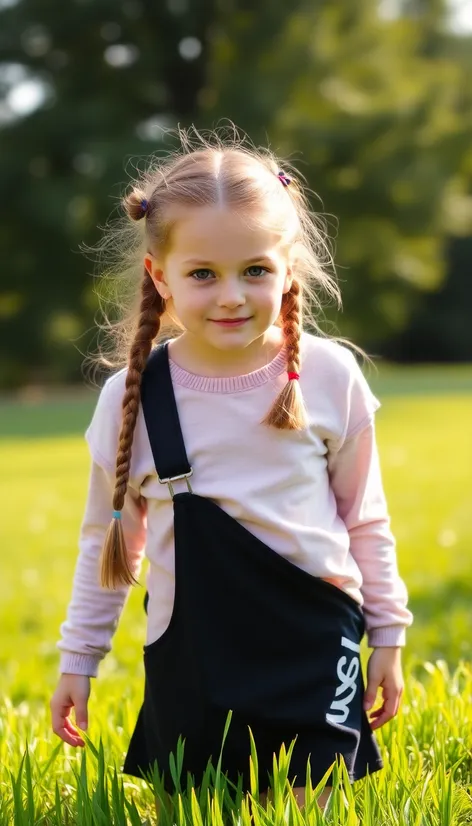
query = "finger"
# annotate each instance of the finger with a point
(63, 727)
(65, 734)
(380, 721)
(378, 712)
(80, 710)
(391, 698)
(382, 715)
(81, 715)
(59, 714)
(370, 695)
(73, 733)
(69, 726)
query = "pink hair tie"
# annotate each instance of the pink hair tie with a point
(293, 376)
(283, 178)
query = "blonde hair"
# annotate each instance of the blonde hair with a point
(210, 169)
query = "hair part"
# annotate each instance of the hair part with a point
(211, 169)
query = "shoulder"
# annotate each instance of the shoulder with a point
(328, 355)
(110, 400)
(330, 372)
(103, 431)
(112, 392)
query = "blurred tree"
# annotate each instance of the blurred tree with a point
(440, 328)
(112, 75)
(377, 112)
(380, 122)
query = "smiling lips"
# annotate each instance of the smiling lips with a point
(230, 322)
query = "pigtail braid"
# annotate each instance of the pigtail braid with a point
(288, 411)
(115, 569)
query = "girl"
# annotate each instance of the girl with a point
(238, 455)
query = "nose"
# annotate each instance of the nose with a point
(231, 293)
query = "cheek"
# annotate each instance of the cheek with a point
(188, 301)
(271, 298)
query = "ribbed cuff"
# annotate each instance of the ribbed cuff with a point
(83, 664)
(387, 636)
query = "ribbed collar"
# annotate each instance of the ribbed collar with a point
(230, 384)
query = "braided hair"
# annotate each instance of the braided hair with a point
(240, 178)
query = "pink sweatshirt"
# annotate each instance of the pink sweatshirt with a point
(315, 496)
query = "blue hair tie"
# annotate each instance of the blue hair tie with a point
(116, 514)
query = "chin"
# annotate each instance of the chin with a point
(235, 344)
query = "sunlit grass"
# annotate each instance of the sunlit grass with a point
(425, 442)
(427, 750)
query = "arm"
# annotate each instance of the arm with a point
(93, 611)
(356, 482)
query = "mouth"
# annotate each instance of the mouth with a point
(230, 322)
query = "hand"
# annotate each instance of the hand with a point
(384, 669)
(72, 690)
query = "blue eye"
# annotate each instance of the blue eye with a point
(256, 270)
(196, 274)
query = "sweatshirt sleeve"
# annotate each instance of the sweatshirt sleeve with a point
(357, 486)
(356, 482)
(93, 612)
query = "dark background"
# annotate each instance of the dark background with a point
(375, 110)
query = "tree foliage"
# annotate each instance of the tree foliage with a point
(376, 113)
(381, 128)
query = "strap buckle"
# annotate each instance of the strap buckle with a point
(168, 481)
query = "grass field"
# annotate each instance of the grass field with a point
(425, 439)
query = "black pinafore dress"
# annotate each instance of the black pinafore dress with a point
(250, 632)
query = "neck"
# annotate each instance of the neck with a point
(197, 357)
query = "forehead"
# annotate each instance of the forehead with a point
(220, 234)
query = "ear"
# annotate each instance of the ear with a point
(154, 268)
(288, 281)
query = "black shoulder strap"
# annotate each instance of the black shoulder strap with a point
(161, 416)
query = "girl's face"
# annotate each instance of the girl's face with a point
(225, 278)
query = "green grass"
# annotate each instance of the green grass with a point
(425, 438)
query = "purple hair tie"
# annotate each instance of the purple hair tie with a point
(144, 206)
(284, 178)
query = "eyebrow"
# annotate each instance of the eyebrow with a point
(196, 261)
